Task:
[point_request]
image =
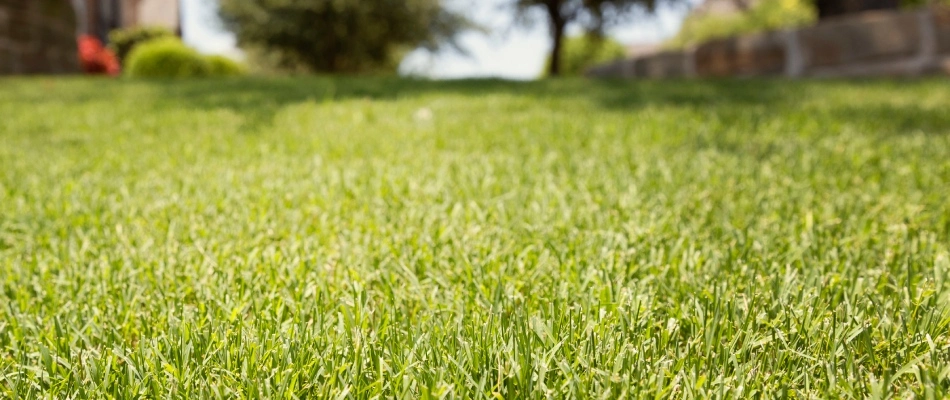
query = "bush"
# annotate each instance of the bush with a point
(223, 66)
(585, 51)
(341, 36)
(166, 58)
(766, 15)
(123, 41)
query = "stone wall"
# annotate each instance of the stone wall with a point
(37, 36)
(876, 43)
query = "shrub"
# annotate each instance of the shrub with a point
(96, 59)
(765, 15)
(585, 51)
(223, 66)
(166, 58)
(123, 41)
(342, 36)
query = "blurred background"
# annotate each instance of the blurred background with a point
(512, 39)
(506, 50)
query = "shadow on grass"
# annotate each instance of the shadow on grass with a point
(242, 94)
(259, 99)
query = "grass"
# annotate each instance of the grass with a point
(361, 238)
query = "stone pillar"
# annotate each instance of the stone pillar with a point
(794, 58)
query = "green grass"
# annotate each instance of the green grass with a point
(360, 238)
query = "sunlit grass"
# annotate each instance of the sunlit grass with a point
(360, 238)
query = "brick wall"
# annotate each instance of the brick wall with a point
(37, 36)
(875, 43)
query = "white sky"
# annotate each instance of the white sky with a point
(508, 52)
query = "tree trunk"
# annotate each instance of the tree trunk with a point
(557, 39)
(557, 24)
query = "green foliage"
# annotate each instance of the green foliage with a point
(123, 41)
(276, 62)
(170, 58)
(585, 51)
(765, 15)
(166, 58)
(358, 238)
(224, 66)
(268, 61)
(352, 36)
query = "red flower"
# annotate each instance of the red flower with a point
(95, 58)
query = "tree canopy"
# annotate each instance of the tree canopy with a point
(342, 35)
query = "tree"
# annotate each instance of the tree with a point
(341, 35)
(593, 15)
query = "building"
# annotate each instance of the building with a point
(37, 37)
(99, 17)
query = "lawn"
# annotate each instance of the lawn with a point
(377, 237)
